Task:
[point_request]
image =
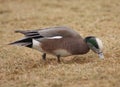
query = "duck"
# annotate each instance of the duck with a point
(59, 41)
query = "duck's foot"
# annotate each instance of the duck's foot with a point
(44, 56)
(58, 59)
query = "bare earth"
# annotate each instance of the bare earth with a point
(24, 67)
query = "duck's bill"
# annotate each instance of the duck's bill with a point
(101, 56)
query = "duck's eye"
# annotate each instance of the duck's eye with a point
(93, 43)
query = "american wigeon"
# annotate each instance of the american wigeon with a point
(59, 41)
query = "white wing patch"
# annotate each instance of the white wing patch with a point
(55, 37)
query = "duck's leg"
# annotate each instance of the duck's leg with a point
(44, 56)
(58, 58)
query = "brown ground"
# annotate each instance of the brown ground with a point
(23, 67)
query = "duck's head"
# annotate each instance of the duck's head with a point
(95, 44)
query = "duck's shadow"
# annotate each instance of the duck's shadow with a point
(78, 60)
(72, 60)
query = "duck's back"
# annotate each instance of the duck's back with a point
(58, 31)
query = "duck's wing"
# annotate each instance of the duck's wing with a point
(30, 34)
(55, 32)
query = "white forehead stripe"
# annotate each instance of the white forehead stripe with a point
(55, 37)
(100, 44)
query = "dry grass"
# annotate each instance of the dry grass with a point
(23, 67)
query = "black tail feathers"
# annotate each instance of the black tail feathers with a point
(27, 42)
